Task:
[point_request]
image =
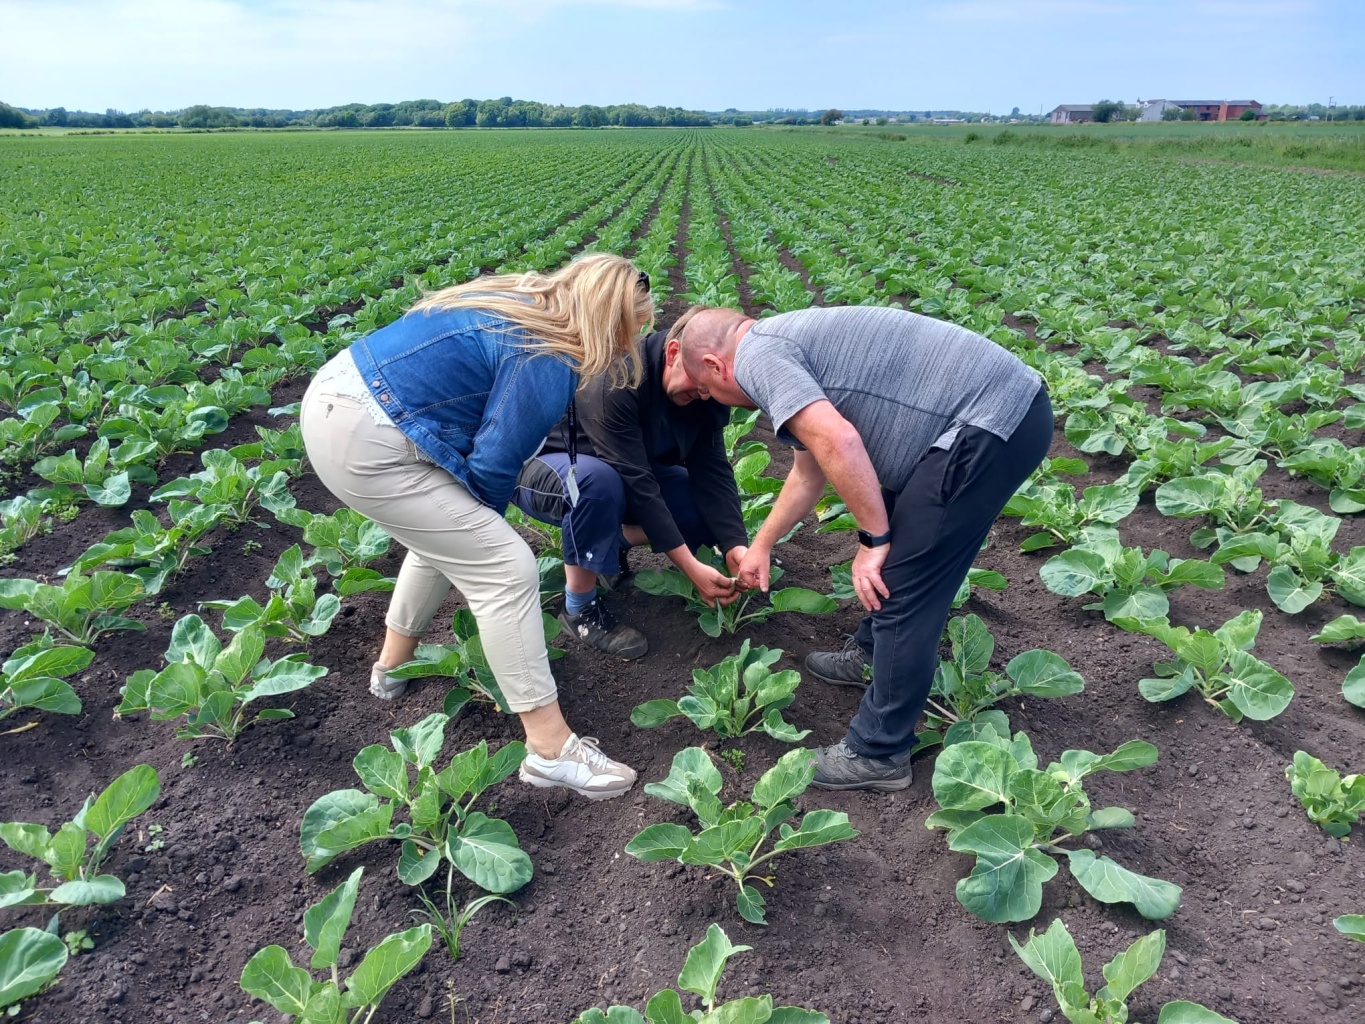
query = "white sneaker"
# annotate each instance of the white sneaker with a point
(580, 766)
(384, 686)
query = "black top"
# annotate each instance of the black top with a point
(630, 428)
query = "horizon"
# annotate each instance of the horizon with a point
(133, 55)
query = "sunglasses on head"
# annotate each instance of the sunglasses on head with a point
(642, 281)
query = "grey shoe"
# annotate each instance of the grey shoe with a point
(596, 627)
(842, 668)
(838, 767)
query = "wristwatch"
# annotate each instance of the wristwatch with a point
(869, 540)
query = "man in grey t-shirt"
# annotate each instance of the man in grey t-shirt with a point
(925, 430)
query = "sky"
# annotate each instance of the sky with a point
(980, 55)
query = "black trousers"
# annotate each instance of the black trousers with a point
(938, 523)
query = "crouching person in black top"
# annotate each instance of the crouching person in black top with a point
(651, 468)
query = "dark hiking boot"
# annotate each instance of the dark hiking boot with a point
(623, 576)
(595, 626)
(838, 767)
(841, 668)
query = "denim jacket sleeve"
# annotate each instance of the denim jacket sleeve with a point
(530, 393)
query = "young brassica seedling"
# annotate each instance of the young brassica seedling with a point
(750, 608)
(1127, 582)
(465, 662)
(271, 975)
(1216, 665)
(82, 609)
(1015, 818)
(700, 975)
(69, 853)
(732, 836)
(294, 610)
(964, 687)
(232, 487)
(443, 831)
(1054, 958)
(740, 695)
(1332, 801)
(213, 686)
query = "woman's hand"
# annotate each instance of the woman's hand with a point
(713, 586)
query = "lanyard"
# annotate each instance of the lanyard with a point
(571, 484)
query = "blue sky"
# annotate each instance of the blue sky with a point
(702, 54)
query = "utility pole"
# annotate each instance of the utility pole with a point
(1331, 102)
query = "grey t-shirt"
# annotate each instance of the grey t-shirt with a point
(906, 382)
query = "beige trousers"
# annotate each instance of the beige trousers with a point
(451, 539)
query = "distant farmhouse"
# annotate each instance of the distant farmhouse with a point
(1155, 110)
(1218, 110)
(1074, 113)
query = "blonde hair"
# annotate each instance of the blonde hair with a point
(588, 312)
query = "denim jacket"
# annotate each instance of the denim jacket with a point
(462, 386)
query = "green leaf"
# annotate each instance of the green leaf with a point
(26, 838)
(1110, 882)
(1110, 817)
(653, 713)
(817, 828)
(796, 1015)
(29, 959)
(799, 599)
(786, 780)
(618, 1015)
(1052, 956)
(288, 674)
(270, 975)
(1044, 674)
(1344, 629)
(1257, 690)
(662, 841)
(421, 744)
(1133, 966)
(688, 761)
(1141, 603)
(1181, 1012)
(340, 821)
(1075, 572)
(114, 492)
(1351, 925)
(486, 852)
(1353, 686)
(972, 643)
(416, 866)
(1157, 690)
(972, 776)
(82, 892)
(125, 798)
(1006, 884)
(325, 922)
(665, 1007)
(324, 1007)
(192, 640)
(385, 964)
(751, 905)
(383, 771)
(1290, 592)
(705, 963)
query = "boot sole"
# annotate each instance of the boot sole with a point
(876, 786)
(539, 783)
(859, 684)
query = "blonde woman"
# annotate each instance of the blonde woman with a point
(423, 427)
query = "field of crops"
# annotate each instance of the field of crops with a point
(1152, 699)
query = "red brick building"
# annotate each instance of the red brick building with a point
(1219, 110)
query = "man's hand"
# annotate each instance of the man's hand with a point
(734, 557)
(713, 586)
(867, 576)
(752, 573)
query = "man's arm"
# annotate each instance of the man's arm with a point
(834, 452)
(611, 417)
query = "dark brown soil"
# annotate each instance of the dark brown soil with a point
(867, 930)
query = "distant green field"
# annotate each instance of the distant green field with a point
(1318, 144)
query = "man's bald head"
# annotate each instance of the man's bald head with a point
(708, 330)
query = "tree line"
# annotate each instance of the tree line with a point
(504, 112)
